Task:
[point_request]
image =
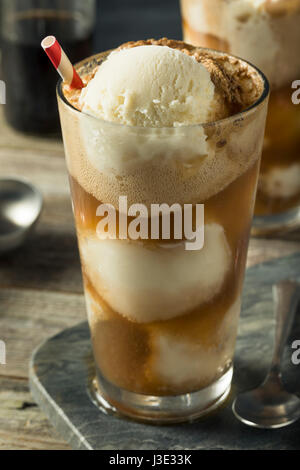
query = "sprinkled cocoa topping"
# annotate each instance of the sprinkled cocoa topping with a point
(235, 82)
(237, 85)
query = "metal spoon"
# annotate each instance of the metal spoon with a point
(20, 207)
(270, 406)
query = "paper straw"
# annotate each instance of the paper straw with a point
(61, 62)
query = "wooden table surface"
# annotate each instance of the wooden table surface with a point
(41, 286)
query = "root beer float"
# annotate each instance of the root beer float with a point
(162, 122)
(267, 33)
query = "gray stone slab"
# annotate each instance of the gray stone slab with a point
(62, 367)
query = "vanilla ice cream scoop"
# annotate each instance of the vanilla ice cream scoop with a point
(150, 86)
(157, 284)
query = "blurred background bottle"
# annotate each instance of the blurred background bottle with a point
(30, 82)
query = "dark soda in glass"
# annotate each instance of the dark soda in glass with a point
(31, 105)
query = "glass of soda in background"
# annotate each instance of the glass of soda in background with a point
(31, 105)
(267, 34)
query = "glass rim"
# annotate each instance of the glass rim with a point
(264, 95)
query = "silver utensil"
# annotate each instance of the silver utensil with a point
(20, 207)
(270, 406)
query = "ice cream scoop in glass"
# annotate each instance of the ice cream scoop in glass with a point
(163, 124)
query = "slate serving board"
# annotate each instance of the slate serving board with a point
(62, 367)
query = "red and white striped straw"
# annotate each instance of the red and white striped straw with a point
(61, 62)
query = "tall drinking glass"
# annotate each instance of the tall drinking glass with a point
(268, 35)
(164, 317)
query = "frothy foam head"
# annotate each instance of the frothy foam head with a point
(168, 164)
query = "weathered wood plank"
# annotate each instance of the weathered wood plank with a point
(22, 424)
(44, 169)
(9, 138)
(28, 317)
(49, 260)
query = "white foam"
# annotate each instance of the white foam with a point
(115, 149)
(183, 164)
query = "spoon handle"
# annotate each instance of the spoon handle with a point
(286, 295)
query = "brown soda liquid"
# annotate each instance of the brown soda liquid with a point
(123, 348)
(31, 104)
